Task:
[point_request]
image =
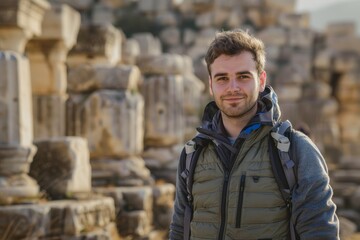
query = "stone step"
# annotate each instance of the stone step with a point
(57, 219)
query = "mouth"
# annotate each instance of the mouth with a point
(232, 99)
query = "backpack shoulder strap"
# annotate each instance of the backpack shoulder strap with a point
(282, 137)
(283, 166)
(193, 149)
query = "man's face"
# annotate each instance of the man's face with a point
(235, 84)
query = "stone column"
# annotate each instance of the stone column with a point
(163, 90)
(19, 21)
(47, 54)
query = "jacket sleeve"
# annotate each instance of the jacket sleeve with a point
(177, 224)
(313, 210)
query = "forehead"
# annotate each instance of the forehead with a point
(243, 61)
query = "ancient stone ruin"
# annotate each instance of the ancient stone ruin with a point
(97, 98)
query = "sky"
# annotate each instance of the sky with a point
(307, 5)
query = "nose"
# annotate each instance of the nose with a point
(234, 84)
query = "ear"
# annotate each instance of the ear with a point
(262, 80)
(210, 87)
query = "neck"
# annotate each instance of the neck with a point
(234, 125)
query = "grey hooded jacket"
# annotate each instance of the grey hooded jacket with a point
(313, 211)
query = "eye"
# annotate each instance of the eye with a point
(244, 76)
(219, 79)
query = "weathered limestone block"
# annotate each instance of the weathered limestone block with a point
(15, 100)
(88, 78)
(346, 62)
(189, 36)
(163, 195)
(251, 3)
(293, 75)
(154, 5)
(111, 121)
(47, 66)
(116, 3)
(204, 20)
(47, 53)
(273, 52)
(350, 148)
(350, 214)
(130, 51)
(325, 123)
(347, 228)
(102, 14)
(205, 37)
(61, 166)
(49, 116)
(135, 224)
(350, 127)
(274, 36)
(163, 162)
(323, 59)
(193, 90)
(344, 44)
(57, 219)
(289, 92)
(80, 5)
(15, 160)
(236, 18)
(347, 176)
(348, 88)
(134, 209)
(149, 45)
(15, 185)
(200, 6)
(340, 29)
(19, 21)
(322, 75)
(294, 20)
(61, 22)
(316, 90)
(170, 36)
(286, 6)
(157, 158)
(301, 60)
(24, 221)
(97, 44)
(196, 51)
(343, 190)
(166, 19)
(77, 217)
(254, 15)
(120, 172)
(165, 64)
(108, 232)
(301, 38)
(164, 120)
(349, 162)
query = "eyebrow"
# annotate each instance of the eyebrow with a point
(238, 73)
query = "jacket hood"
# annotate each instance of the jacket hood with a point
(268, 114)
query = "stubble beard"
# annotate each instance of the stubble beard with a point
(238, 110)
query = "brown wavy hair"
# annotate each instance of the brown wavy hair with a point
(235, 42)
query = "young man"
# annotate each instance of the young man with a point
(234, 192)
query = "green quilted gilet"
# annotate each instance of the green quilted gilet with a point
(254, 207)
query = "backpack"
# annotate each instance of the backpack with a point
(283, 166)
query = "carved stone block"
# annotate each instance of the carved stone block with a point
(164, 114)
(61, 166)
(111, 121)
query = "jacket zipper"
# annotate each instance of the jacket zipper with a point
(223, 205)
(227, 172)
(240, 201)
